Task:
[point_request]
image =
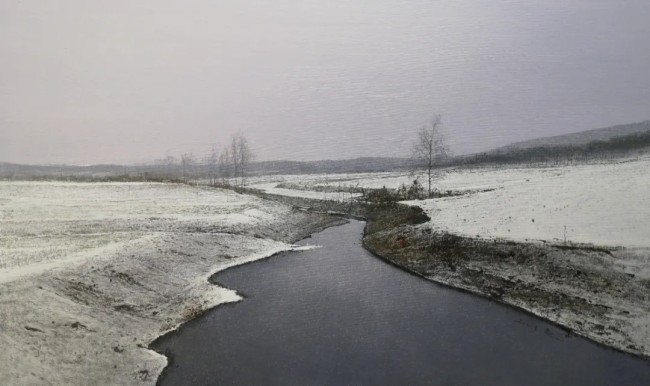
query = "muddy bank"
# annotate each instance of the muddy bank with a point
(583, 288)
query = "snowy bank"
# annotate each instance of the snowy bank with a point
(93, 273)
(601, 204)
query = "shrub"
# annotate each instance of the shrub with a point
(382, 197)
(415, 191)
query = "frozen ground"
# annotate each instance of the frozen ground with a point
(343, 180)
(600, 203)
(606, 204)
(305, 192)
(91, 273)
(44, 223)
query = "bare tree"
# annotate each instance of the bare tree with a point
(429, 147)
(234, 156)
(187, 165)
(245, 157)
(224, 164)
(241, 155)
(169, 163)
(234, 160)
(213, 164)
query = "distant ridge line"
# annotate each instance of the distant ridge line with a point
(612, 141)
(581, 137)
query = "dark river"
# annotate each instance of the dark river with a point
(338, 315)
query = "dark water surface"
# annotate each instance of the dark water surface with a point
(338, 315)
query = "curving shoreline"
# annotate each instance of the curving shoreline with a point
(329, 315)
(92, 322)
(600, 303)
(582, 288)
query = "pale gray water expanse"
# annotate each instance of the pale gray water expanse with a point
(122, 81)
(340, 316)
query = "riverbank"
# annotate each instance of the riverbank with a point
(583, 288)
(568, 244)
(330, 315)
(93, 273)
(597, 292)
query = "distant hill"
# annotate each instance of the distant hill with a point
(9, 170)
(580, 138)
(609, 142)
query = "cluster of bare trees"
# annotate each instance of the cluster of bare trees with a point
(230, 164)
(235, 159)
(226, 166)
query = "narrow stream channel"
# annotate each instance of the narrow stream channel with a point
(338, 315)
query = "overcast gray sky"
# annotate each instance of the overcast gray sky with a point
(127, 81)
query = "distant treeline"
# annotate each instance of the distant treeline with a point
(598, 149)
(189, 170)
(172, 171)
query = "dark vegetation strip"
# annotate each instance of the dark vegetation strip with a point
(614, 147)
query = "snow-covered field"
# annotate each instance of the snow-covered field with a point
(272, 188)
(600, 203)
(343, 180)
(603, 204)
(44, 225)
(91, 273)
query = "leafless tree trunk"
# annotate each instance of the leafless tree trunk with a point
(245, 156)
(239, 155)
(213, 162)
(187, 165)
(224, 164)
(169, 161)
(429, 147)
